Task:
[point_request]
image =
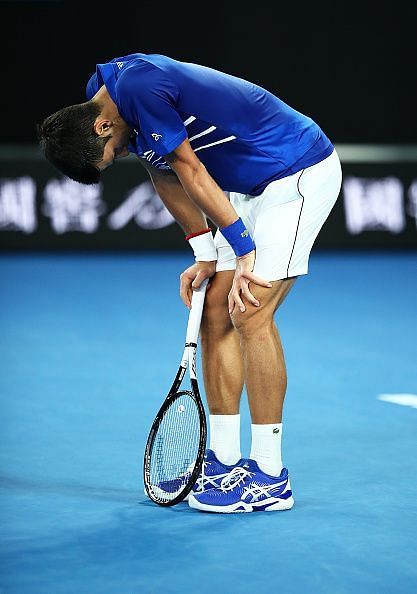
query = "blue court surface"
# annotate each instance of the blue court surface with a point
(89, 345)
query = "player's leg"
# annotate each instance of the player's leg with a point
(263, 358)
(222, 370)
(260, 482)
(284, 221)
(221, 355)
(287, 222)
(264, 372)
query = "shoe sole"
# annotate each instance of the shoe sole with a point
(271, 504)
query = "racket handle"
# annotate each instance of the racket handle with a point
(194, 319)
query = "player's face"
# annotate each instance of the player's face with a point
(116, 147)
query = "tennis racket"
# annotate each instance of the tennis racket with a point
(176, 443)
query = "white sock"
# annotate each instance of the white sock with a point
(225, 438)
(266, 448)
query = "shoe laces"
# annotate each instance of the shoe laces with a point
(203, 471)
(234, 478)
(204, 480)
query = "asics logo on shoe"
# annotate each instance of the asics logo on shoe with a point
(256, 491)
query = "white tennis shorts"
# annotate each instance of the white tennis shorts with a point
(285, 220)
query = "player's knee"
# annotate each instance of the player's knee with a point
(253, 320)
(259, 320)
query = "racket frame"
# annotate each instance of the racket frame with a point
(188, 361)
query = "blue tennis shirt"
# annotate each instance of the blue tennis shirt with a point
(245, 136)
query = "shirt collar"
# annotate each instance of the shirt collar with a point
(106, 75)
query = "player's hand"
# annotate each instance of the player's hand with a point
(240, 287)
(193, 277)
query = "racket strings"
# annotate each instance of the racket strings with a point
(181, 427)
(175, 447)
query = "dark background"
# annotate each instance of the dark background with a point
(351, 66)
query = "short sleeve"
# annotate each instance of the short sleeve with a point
(92, 87)
(147, 96)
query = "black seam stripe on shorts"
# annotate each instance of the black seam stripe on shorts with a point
(298, 223)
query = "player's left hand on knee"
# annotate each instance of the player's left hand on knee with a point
(192, 278)
(244, 276)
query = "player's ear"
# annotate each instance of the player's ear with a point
(102, 126)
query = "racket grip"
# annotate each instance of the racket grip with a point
(194, 319)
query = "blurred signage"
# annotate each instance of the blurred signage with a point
(39, 209)
(374, 204)
(71, 206)
(143, 206)
(18, 205)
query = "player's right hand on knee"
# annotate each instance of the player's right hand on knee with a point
(192, 278)
(240, 287)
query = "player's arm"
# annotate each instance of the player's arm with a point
(208, 196)
(192, 220)
(187, 214)
(200, 186)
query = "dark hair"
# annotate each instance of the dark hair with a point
(68, 140)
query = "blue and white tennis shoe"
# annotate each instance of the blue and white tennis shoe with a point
(245, 489)
(211, 475)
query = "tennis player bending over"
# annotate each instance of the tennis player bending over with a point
(201, 133)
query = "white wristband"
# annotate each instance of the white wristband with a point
(203, 247)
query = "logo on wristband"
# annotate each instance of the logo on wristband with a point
(238, 237)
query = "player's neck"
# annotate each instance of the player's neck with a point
(108, 108)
